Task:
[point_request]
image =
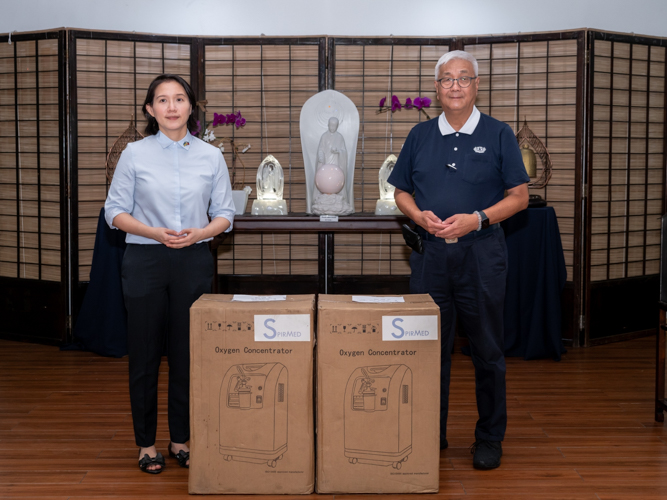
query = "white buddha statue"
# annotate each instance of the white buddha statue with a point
(329, 130)
(330, 169)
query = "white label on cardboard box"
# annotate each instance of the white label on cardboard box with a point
(368, 299)
(257, 298)
(282, 327)
(409, 327)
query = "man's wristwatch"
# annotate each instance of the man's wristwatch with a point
(483, 220)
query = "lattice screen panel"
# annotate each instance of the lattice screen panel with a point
(112, 79)
(627, 159)
(366, 74)
(285, 254)
(269, 84)
(371, 254)
(537, 82)
(29, 160)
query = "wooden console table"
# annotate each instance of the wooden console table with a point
(303, 223)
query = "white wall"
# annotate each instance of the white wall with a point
(336, 17)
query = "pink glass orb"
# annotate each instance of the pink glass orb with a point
(329, 179)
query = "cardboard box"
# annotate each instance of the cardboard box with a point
(251, 395)
(378, 395)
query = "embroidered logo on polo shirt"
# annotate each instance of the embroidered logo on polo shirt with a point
(479, 149)
(186, 143)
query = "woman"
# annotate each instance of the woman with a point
(164, 189)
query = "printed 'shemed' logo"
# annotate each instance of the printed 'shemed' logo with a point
(266, 324)
(282, 328)
(479, 149)
(398, 328)
(409, 327)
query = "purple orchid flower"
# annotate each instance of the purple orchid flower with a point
(382, 101)
(197, 129)
(231, 118)
(426, 102)
(395, 103)
(418, 103)
(408, 103)
(240, 121)
(218, 120)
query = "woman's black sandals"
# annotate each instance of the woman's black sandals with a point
(147, 461)
(181, 456)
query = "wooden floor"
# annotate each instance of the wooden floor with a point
(580, 428)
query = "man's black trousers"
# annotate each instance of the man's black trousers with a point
(467, 280)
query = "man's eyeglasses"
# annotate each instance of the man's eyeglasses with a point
(448, 83)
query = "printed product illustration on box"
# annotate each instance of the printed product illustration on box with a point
(378, 415)
(260, 391)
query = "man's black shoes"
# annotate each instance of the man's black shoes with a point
(486, 454)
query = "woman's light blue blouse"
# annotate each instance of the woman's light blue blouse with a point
(170, 184)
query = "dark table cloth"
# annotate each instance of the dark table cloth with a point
(102, 323)
(535, 280)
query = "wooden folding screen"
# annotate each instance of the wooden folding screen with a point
(626, 178)
(535, 78)
(367, 70)
(540, 80)
(597, 100)
(268, 80)
(33, 244)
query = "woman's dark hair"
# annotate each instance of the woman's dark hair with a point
(152, 127)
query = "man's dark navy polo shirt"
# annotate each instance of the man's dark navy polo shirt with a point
(483, 165)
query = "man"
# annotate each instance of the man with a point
(459, 166)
